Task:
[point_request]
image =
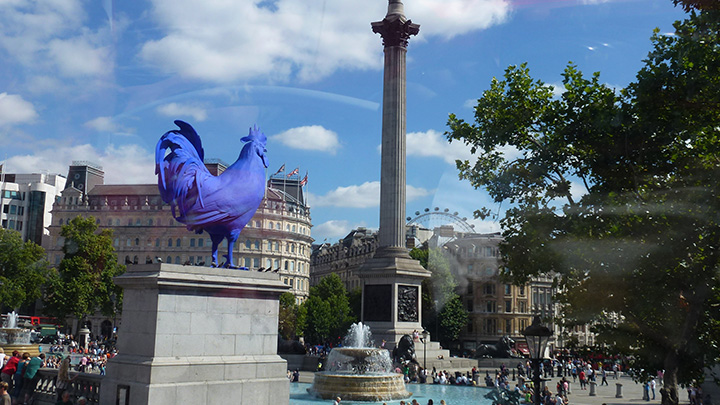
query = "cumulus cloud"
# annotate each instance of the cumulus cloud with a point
(332, 230)
(313, 137)
(128, 164)
(432, 143)
(196, 112)
(16, 110)
(293, 38)
(365, 195)
(76, 57)
(53, 46)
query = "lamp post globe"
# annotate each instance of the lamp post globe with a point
(537, 337)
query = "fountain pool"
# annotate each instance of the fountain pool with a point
(453, 395)
(13, 337)
(358, 371)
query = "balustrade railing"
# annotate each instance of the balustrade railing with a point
(84, 385)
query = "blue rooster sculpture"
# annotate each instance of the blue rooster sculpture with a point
(219, 205)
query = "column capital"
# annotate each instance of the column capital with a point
(395, 30)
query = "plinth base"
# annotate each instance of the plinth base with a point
(197, 335)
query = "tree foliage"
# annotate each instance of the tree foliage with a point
(23, 270)
(83, 282)
(616, 193)
(442, 308)
(327, 314)
(288, 316)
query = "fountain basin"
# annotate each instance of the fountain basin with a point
(359, 387)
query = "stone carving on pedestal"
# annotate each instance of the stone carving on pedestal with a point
(407, 303)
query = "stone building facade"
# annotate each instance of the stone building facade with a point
(277, 238)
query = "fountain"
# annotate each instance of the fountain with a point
(358, 371)
(13, 337)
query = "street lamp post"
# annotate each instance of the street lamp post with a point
(537, 337)
(424, 341)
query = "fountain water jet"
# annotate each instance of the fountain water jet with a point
(13, 337)
(358, 371)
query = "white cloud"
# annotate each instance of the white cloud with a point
(198, 113)
(332, 230)
(307, 40)
(365, 195)
(76, 57)
(50, 38)
(16, 110)
(102, 124)
(432, 143)
(313, 137)
(129, 164)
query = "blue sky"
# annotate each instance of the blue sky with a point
(102, 80)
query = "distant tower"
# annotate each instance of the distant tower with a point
(84, 176)
(392, 280)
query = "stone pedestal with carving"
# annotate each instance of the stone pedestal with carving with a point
(197, 335)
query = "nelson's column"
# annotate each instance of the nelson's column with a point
(392, 280)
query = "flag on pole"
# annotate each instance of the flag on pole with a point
(281, 169)
(304, 180)
(294, 172)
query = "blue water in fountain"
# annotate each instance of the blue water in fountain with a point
(453, 395)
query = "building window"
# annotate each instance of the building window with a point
(247, 262)
(278, 226)
(508, 306)
(523, 307)
(137, 241)
(508, 289)
(109, 223)
(13, 209)
(521, 290)
(257, 245)
(168, 259)
(276, 263)
(128, 242)
(117, 222)
(258, 224)
(508, 326)
(256, 263)
(248, 244)
(192, 242)
(490, 306)
(489, 289)
(169, 243)
(200, 242)
(150, 222)
(177, 259)
(157, 242)
(270, 225)
(268, 263)
(130, 222)
(178, 242)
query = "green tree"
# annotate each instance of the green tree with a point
(327, 311)
(23, 270)
(83, 282)
(616, 194)
(287, 317)
(442, 308)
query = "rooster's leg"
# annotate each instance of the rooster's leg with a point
(216, 239)
(232, 237)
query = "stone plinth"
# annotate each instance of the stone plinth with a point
(392, 291)
(197, 335)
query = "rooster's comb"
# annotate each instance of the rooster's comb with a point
(255, 135)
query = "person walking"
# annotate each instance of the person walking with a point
(604, 379)
(4, 396)
(581, 377)
(652, 388)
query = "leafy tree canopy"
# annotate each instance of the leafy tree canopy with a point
(287, 318)
(83, 282)
(615, 193)
(327, 314)
(23, 270)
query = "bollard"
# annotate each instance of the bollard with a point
(592, 388)
(618, 391)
